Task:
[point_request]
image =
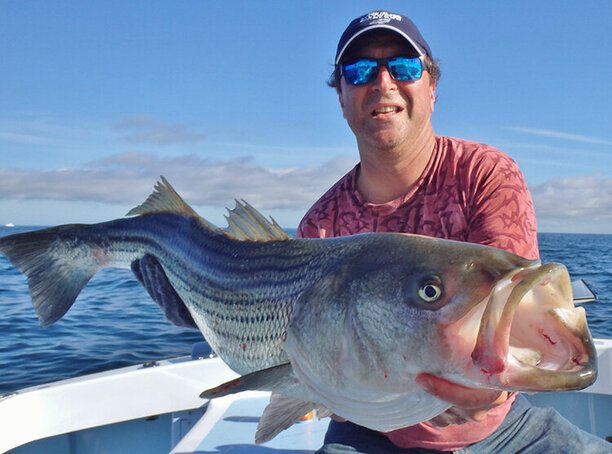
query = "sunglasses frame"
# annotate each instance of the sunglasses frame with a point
(380, 62)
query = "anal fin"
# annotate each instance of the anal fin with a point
(280, 414)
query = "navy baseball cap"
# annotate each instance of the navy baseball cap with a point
(383, 20)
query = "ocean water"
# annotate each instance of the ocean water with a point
(114, 323)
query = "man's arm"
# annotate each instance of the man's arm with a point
(501, 214)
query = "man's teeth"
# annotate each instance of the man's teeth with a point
(384, 110)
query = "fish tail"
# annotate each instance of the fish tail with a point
(57, 264)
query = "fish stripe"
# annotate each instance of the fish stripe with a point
(240, 293)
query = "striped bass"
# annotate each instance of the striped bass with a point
(345, 325)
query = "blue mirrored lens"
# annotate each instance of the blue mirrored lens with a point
(360, 72)
(365, 70)
(402, 68)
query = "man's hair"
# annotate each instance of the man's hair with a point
(433, 67)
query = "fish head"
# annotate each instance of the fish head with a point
(501, 321)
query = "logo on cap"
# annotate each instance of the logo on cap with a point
(380, 17)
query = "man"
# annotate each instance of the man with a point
(410, 180)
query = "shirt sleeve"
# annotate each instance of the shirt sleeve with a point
(320, 220)
(501, 212)
(307, 229)
(312, 224)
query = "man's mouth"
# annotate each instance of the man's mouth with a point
(385, 111)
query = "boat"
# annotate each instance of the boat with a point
(155, 407)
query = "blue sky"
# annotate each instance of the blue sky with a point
(228, 100)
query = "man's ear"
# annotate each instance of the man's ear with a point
(432, 95)
(341, 101)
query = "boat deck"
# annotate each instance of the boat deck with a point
(229, 427)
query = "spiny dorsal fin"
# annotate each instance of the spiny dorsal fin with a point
(164, 199)
(246, 223)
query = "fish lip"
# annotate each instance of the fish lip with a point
(492, 341)
(493, 353)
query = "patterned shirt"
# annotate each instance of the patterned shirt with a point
(468, 192)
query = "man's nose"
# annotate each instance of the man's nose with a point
(384, 81)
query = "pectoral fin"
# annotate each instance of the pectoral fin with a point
(150, 273)
(278, 378)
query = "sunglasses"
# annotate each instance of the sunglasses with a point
(365, 70)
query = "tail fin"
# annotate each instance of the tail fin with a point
(57, 264)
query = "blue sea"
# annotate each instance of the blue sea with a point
(113, 323)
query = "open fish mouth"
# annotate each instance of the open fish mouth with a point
(532, 337)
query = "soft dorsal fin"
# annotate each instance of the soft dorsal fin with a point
(246, 223)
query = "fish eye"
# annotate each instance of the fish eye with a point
(431, 291)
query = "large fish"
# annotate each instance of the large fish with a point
(346, 324)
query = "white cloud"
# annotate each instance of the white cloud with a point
(146, 129)
(584, 198)
(129, 177)
(21, 138)
(580, 204)
(560, 135)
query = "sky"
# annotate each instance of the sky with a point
(228, 100)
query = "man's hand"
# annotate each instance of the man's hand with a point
(469, 404)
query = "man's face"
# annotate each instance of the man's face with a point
(386, 113)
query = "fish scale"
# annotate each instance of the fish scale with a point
(235, 311)
(224, 299)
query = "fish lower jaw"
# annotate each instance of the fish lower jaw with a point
(542, 359)
(529, 370)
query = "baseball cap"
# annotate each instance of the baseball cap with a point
(383, 20)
